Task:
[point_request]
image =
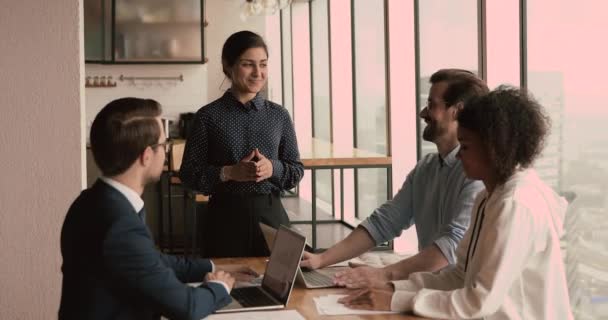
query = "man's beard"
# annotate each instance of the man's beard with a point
(430, 132)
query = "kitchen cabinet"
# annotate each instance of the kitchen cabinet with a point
(144, 31)
(97, 31)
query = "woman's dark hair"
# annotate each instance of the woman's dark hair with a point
(511, 125)
(238, 43)
(121, 131)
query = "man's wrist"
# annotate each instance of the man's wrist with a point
(388, 272)
(323, 259)
(222, 283)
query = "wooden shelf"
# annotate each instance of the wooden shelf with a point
(113, 85)
(161, 24)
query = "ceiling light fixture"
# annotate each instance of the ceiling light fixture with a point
(259, 7)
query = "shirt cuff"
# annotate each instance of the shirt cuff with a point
(405, 285)
(277, 169)
(447, 247)
(222, 283)
(212, 177)
(402, 301)
(373, 232)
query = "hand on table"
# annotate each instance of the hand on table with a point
(369, 299)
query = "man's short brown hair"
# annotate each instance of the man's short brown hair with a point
(121, 131)
(462, 85)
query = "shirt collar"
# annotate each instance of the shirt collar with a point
(450, 159)
(133, 197)
(257, 102)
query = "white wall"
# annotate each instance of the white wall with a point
(41, 147)
(201, 83)
(175, 96)
(44, 124)
(224, 19)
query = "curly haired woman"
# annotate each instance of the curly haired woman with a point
(509, 262)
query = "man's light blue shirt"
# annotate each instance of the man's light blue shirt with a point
(436, 197)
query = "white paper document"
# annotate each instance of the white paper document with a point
(329, 305)
(259, 315)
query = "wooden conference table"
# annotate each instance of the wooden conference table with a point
(302, 299)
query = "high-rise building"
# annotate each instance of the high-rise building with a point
(548, 88)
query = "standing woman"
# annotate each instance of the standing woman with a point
(510, 264)
(243, 152)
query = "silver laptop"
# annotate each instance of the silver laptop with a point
(311, 279)
(278, 279)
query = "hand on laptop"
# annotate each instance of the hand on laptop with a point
(363, 277)
(369, 299)
(241, 273)
(222, 276)
(311, 261)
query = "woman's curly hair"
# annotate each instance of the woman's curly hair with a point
(512, 126)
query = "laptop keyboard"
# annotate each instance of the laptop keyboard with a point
(252, 297)
(316, 278)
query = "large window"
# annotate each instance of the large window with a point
(369, 91)
(321, 103)
(565, 71)
(344, 61)
(370, 75)
(321, 98)
(287, 63)
(448, 38)
(318, 36)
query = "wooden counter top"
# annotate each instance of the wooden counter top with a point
(321, 153)
(317, 154)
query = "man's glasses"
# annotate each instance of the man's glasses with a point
(167, 145)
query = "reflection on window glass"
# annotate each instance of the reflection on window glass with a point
(448, 39)
(320, 70)
(93, 29)
(325, 194)
(370, 99)
(568, 80)
(372, 192)
(157, 31)
(320, 92)
(370, 75)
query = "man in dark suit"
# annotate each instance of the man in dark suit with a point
(111, 268)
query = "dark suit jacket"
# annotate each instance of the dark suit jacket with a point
(112, 270)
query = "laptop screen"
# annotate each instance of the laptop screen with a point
(283, 263)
